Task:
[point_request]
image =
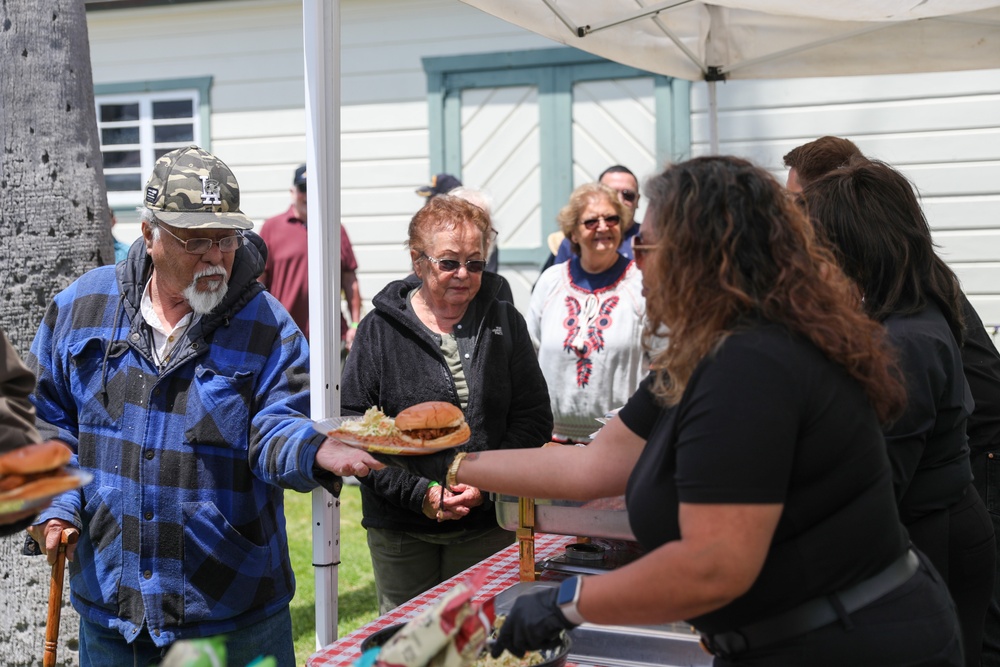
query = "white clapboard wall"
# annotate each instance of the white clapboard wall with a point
(940, 129)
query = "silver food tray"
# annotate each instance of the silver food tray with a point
(570, 517)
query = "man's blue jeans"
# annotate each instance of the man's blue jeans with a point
(102, 647)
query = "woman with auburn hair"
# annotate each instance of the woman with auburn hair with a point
(442, 334)
(752, 457)
(869, 213)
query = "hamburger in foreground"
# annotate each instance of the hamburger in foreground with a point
(434, 424)
(35, 471)
(431, 425)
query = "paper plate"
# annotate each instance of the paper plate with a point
(34, 502)
(330, 424)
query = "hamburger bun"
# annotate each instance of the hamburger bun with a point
(36, 458)
(433, 424)
(44, 486)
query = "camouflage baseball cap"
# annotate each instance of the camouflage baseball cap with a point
(192, 188)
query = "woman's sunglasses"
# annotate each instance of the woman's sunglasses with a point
(610, 221)
(452, 265)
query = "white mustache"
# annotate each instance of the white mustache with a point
(211, 271)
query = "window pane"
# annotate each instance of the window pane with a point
(111, 136)
(173, 109)
(121, 159)
(163, 134)
(111, 113)
(123, 182)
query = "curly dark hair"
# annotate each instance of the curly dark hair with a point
(870, 215)
(732, 247)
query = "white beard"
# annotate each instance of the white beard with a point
(203, 302)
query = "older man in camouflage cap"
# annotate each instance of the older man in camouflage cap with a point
(182, 386)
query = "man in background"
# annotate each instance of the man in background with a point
(813, 160)
(286, 272)
(623, 181)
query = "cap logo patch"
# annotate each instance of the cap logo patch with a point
(151, 194)
(211, 191)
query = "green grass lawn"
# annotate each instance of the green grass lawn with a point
(357, 604)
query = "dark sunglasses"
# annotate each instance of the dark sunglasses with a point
(610, 221)
(451, 265)
(301, 187)
(628, 195)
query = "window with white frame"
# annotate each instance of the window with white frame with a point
(136, 129)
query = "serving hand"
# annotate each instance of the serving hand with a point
(534, 622)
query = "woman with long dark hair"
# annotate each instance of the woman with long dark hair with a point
(872, 219)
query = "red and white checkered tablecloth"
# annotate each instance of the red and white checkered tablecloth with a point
(502, 572)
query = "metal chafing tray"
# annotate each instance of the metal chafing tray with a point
(605, 517)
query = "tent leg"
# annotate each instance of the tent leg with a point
(713, 119)
(321, 40)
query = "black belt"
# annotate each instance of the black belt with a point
(814, 614)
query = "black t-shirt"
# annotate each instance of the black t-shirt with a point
(768, 419)
(928, 447)
(981, 363)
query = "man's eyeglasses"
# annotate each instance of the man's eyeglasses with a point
(609, 220)
(451, 265)
(628, 195)
(201, 246)
(639, 247)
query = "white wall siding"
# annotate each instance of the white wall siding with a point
(942, 130)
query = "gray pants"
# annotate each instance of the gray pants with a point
(407, 564)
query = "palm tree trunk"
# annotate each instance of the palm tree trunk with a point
(54, 226)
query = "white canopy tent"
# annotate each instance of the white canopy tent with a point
(683, 38)
(768, 39)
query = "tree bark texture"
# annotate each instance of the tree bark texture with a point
(54, 226)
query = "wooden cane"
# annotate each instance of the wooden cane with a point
(69, 536)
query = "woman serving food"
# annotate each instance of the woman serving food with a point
(752, 458)
(442, 335)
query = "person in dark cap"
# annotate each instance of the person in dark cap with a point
(286, 272)
(441, 184)
(182, 386)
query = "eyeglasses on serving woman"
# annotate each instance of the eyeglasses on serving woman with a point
(201, 246)
(452, 265)
(640, 247)
(610, 221)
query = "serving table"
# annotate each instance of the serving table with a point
(502, 571)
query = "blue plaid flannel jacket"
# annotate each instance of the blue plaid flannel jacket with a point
(182, 527)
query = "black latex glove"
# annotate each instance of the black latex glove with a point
(432, 466)
(534, 623)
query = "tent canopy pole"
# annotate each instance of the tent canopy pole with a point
(321, 39)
